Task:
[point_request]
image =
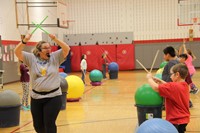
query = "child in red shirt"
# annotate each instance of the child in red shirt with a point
(104, 63)
(176, 94)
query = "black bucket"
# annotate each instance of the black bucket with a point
(64, 100)
(9, 116)
(113, 74)
(148, 112)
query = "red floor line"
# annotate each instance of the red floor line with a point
(21, 127)
(89, 89)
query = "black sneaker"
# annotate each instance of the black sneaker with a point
(195, 90)
(190, 104)
(191, 91)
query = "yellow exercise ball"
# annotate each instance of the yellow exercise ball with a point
(75, 88)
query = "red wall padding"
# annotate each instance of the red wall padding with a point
(93, 56)
(75, 58)
(111, 52)
(125, 56)
(122, 54)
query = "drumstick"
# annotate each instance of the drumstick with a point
(154, 60)
(142, 66)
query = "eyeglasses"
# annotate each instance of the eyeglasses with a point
(171, 74)
(47, 48)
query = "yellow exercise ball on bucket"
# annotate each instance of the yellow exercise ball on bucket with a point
(75, 88)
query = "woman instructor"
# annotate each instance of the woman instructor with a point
(46, 93)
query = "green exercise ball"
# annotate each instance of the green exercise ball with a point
(96, 75)
(146, 96)
(9, 98)
(162, 65)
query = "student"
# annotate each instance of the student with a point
(188, 80)
(104, 62)
(176, 94)
(46, 93)
(190, 58)
(170, 57)
(83, 65)
(24, 78)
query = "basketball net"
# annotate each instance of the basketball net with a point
(195, 21)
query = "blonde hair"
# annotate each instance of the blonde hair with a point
(38, 48)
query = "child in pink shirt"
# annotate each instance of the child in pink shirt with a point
(189, 64)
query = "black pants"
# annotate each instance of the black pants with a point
(44, 113)
(104, 71)
(181, 128)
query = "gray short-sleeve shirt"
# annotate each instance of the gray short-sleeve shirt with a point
(44, 74)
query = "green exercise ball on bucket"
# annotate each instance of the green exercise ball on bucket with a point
(148, 103)
(146, 96)
(96, 75)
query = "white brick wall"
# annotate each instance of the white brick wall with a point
(148, 19)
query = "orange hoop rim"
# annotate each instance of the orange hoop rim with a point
(194, 20)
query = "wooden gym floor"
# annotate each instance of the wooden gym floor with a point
(108, 108)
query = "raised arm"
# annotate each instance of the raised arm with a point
(181, 47)
(20, 47)
(184, 49)
(152, 83)
(180, 50)
(62, 44)
(188, 52)
(194, 57)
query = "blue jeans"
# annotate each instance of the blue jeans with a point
(83, 75)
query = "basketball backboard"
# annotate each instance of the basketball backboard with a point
(62, 13)
(30, 11)
(188, 12)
